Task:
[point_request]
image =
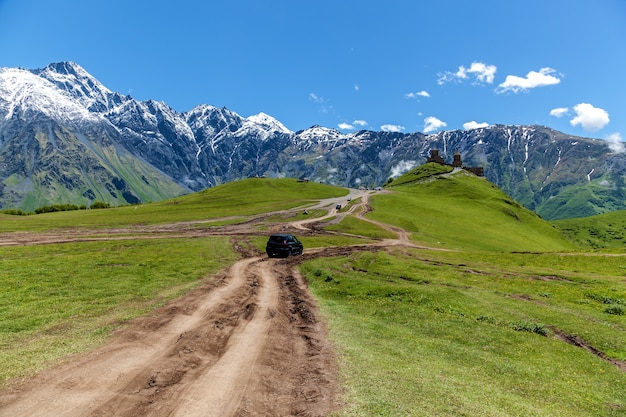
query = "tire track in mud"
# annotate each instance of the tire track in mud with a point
(219, 391)
(236, 346)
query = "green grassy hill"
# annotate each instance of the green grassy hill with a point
(462, 211)
(600, 231)
(238, 198)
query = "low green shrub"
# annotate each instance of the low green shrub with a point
(615, 310)
(56, 207)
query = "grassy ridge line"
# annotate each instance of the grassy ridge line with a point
(239, 198)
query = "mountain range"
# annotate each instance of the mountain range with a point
(66, 138)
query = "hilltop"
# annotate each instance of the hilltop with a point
(459, 210)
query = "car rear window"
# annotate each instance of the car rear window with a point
(276, 239)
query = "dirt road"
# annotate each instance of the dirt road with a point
(246, 343)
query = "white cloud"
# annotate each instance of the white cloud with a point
(447, 76)
(315, 98)
(482, 72)
(402, 167)
(422, 93)
(432, 123)
(590, 118)
(474, 125)
(351, 126)
(533, 79)
(392, 128)
(615, 143)
(356, 87)
(559, 111)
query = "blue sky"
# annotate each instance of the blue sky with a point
(399, 65)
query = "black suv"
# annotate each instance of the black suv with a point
(283, 245)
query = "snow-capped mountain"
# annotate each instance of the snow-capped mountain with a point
(25, 95)
(66, 138)
(264, 125)
(81, 86)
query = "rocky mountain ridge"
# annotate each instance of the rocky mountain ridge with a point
(66, 138)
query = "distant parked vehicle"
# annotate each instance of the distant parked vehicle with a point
(283, 245)
(338, 206)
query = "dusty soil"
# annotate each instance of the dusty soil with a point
(248, 342)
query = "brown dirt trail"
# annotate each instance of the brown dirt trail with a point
(237, 346)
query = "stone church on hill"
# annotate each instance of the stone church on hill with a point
(456, 163)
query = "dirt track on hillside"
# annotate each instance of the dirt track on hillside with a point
(248, 342)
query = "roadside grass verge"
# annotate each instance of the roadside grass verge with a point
(355, 226)
(66, 298)
(294, 217)
(434, 333)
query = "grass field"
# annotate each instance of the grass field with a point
(602, 231)
(237, 199)
(475, 331)
(440, 334)
(65, 298)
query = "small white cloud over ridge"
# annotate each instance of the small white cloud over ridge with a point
(474, 125)
(351, 126)
(401, 168)
(533, 79)
(559, 111)
(590, 118)
(615, 143)
(392, 128)
(432, 123)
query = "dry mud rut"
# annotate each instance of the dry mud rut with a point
(248, 342)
